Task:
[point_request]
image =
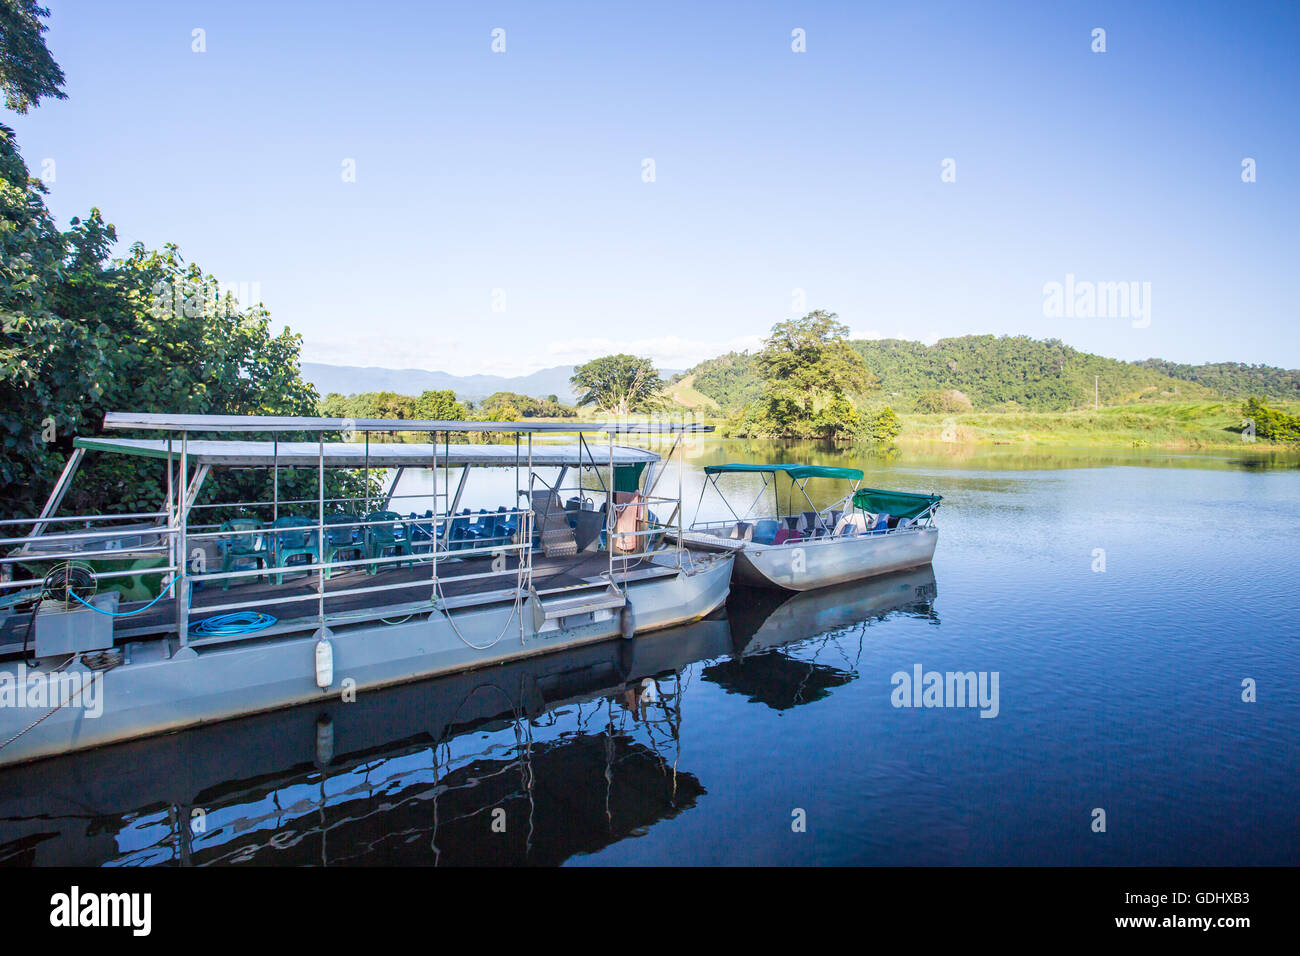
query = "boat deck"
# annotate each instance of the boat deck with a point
(295, 602)
(549, 574)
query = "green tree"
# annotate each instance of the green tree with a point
(82, 334)
(880, 425)
(47, 360)
(942, 401)
(619, 384)
(27, 69)
(1271, 424)
(439, 405)
(811, 379)
(529, 407)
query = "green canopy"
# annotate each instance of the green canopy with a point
(901, 504)
(796, 472)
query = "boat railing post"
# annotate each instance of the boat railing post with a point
(681, 466)
(171, 509)
(320, 529)
(433, 528)
(611, 519)
(275, 477)
(181, 565)
(528, 549)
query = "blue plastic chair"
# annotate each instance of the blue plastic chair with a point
(242, 547)
(289, 542)
(421, 533)
(341, 537)
(389, 537)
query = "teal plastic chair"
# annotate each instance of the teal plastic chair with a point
(341, 537)
(388, 537)
(242, 547)
(291, 542)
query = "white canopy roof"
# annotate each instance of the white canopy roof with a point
(281, 423)
(265, 454)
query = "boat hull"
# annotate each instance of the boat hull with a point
(156, 691)
(821, 563)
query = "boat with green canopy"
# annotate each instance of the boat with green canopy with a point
(785, 540)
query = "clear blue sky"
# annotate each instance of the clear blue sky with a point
(774, 170)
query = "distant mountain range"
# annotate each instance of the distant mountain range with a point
(1005, 373)
(994, 372)
(354, 379)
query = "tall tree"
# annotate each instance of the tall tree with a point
(619, 384)
(27, 69)
(811, 378)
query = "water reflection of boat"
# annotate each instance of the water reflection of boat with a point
(579, 749)
(762, 618)
(764, 621)
(410, 774)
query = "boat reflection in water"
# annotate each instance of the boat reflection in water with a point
(532, 762)
(779, 639)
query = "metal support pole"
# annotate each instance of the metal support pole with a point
(182, 565)
(433, 527)
(611, 518)
(681, 468)
(531, 514)
(275, 477)
(60, 489)
(320, 529)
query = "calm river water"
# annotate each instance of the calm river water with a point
(1125, 602)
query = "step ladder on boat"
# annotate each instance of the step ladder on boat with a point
(601, 603)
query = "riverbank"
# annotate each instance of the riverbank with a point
(1172, 425)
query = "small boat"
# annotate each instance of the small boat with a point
(866, 532)
(118, 626)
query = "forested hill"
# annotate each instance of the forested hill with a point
(1011, 372)
(1235, 379)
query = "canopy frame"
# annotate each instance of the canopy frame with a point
(799, 476)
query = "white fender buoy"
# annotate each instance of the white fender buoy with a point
(324, 663)
(627, 621)
(324, 740)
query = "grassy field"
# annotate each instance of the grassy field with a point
(1149, 425)
(1165, 425)
(684, 393)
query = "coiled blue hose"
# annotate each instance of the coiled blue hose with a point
(229, 625)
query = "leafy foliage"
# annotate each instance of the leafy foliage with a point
(811, 380)
(84, 334)
(880, 425)
(434, 405)
(1235, 379)
(1003, 373)
(619, 384)
(27, 70)
(942, 401)
(730, 380)
(525, 406)
(1271, 424)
